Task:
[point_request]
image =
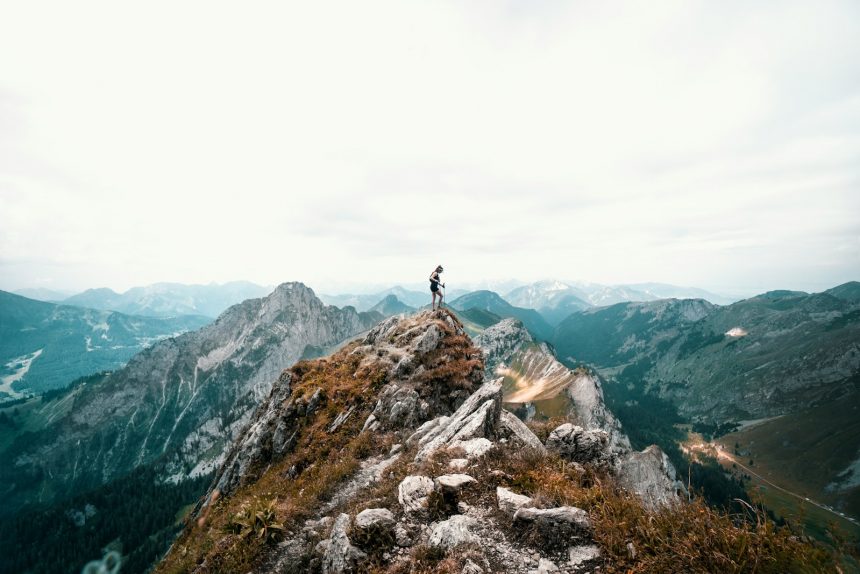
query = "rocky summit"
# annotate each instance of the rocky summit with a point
(395, 454)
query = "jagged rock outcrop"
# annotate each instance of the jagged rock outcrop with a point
(579, 445)
(650, 475)
(533, 376)
(530, 374)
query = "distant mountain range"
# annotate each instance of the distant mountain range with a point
(45, 346)
(42, 294)
(391, 305)
(364, 302)
(786, 354)
(490, 302)
(170, 299)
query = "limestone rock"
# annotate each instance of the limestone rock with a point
(374, 519)
(650, 475)
(474, 448)
(518, 433)
(580, 445)
(413, 491)
(509, 502)
(476, 418)
(339, 555)
(453, 483)
(448, 534)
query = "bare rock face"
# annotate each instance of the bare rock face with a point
(650, 475)
(477, 417)
(182, 401)
(411, 349)
(530, 373)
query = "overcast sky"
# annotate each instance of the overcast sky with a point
(711, 144)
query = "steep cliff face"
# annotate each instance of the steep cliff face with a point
(182, 401)
(395, 452)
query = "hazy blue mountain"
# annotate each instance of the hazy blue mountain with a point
(391, 305)
(45, 346)
(554, 300)
(365, 301)
(603, 295)
(495, 304)
(847, 291)
(666, 291)
(170, 299)
(42, 294)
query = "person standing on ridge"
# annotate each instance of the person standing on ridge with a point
(434, 286)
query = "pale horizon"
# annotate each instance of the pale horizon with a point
(702, 145)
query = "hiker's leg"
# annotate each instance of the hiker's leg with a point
(433, 306)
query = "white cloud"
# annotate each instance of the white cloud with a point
(696, 143)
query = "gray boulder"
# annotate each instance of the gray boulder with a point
(509, 502)
(413, 491)
(338, 553)
(453, 483)
(374, 519)
(448, 534)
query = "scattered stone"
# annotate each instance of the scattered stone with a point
(458, 464)
(509, 502)
(341, 418)
(631, 551)
(413, 491)
(374, 519)
(471, 568)
(453, 483)
(448, 534)
(546, 566)
(402, 536)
